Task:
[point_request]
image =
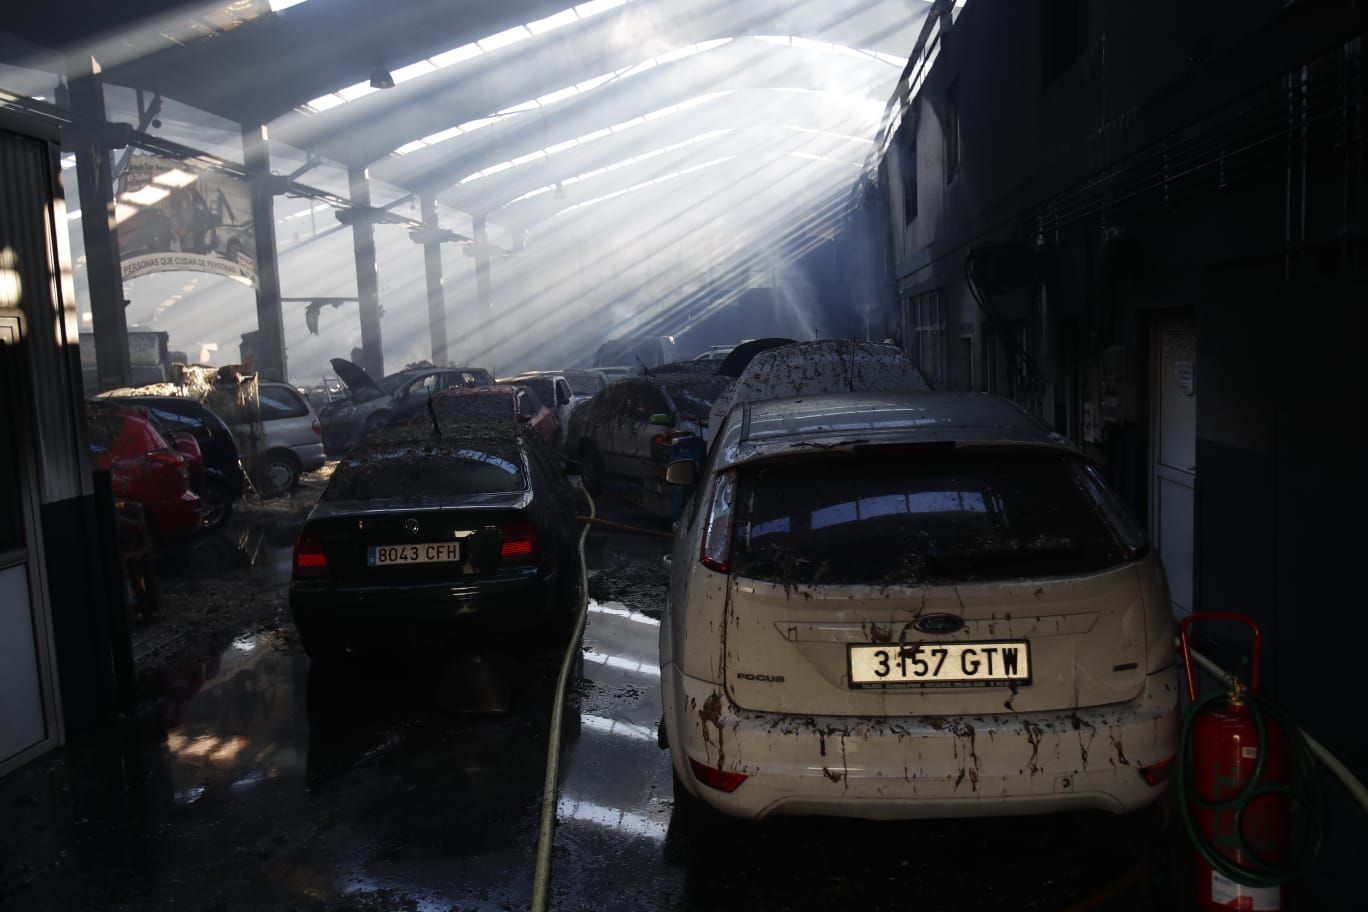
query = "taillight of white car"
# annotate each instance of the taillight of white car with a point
(717, 531)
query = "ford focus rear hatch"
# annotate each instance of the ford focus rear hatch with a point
(930, 579)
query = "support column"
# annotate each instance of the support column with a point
(95, 175)
(432, 263)
(367, 279)
(483, 305)
(270, 343)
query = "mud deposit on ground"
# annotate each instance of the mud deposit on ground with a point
(633, 580)
(221, 586)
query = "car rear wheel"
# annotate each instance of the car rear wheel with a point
(279, 472)
(217, 505)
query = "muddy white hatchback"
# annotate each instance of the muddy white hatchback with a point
(911, 605)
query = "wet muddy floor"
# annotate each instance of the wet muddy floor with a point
(252, 780)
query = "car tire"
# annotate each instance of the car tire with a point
(377, 421)
(279, 472)
(323, 650)
(696, 818)
(591, 465)
(218, 505)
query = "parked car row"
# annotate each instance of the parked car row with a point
(935, 580)
(139, 437)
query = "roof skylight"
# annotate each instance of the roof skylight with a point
(486, 45)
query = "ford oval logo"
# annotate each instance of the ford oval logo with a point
(411, 526)
(939, 623)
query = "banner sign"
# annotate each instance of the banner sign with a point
(175, 217)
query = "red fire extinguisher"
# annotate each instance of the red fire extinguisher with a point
(1233, 786)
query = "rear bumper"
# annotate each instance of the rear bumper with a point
(511, 602)
(339, 434)
(922, 766)
(311, 456)
(176, 518)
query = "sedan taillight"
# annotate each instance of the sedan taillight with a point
(309, 559)
(317, 428)
(169, 459)
(717, 531)
(519, 542)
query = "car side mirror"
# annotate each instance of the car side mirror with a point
(682, 472)
(562, 398)
(661, 419)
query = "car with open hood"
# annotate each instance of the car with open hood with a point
(907, 605)
(430, 536)
(372, 404)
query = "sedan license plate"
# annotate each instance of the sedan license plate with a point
(941, 664)
(420, 553)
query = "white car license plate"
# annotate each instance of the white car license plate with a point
(420, 553)
(941, 664)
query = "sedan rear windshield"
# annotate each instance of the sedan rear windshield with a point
(436, 471)
(902, 516)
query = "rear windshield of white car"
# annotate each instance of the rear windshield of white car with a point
(418, 471)
(910, 516)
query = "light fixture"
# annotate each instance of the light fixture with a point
(381, 79)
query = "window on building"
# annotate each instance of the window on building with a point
(906, 145)
(924, 333)
(952, 133)
(1062, 33)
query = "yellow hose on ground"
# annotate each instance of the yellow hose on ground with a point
(541, 876)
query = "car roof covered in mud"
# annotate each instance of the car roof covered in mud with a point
(829, 421)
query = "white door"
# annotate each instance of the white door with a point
(1173, 412)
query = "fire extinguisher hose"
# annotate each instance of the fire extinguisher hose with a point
(1306, 804)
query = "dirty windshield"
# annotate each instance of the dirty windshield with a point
(899, 518)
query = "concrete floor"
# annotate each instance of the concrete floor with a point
(258, 782)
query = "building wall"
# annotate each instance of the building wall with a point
(1202, 162)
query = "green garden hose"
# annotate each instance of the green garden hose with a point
(1303, 794)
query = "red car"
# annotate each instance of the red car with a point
(497, 402)
(144, 468)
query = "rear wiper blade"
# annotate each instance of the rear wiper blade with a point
(818, 445)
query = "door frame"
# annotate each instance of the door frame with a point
(14, 326)
(1158, 322)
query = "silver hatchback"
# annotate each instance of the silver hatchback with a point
(291, 441)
